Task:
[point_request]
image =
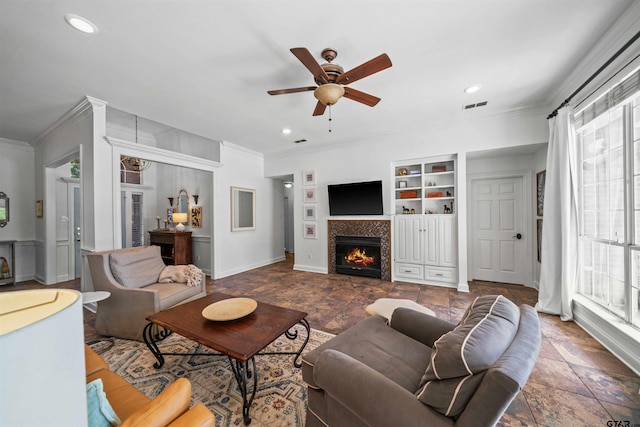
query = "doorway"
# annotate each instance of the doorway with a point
(498, 230)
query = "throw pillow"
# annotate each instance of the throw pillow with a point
(137, 267)
(99, 410)
(460, 358)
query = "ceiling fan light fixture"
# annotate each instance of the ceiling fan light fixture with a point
(329, 94)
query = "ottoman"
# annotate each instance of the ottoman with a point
(385, 306)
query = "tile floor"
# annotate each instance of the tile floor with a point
(576, 381)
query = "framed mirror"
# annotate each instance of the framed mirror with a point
(243, 209)
(182, 203)
(4, 209)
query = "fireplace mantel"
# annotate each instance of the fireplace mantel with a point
(364, 228)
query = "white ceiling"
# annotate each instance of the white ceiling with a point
(205, 66)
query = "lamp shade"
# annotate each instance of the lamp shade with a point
(329, 94)
(42, 374)
(179, 218)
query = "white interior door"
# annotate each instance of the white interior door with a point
(499, 238)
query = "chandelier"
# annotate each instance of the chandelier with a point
(134, 163)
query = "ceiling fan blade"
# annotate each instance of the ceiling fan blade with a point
(320, 107)
(364, 98)
(307, 59)
(292, 90)
(372, 66)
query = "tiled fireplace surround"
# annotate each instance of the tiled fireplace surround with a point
(364, 228)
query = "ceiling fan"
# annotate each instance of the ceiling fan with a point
(331, 79)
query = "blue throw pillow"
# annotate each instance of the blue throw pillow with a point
(99, 409)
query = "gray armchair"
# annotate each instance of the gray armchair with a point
(131, 276)
(377, 374)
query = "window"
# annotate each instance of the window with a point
(608, 147)
(130, 170)
(137, 239)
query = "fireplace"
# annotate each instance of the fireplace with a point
(358, 256)
(365, 228)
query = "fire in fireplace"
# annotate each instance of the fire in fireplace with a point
(358, 256)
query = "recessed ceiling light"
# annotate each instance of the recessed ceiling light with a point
(80, 23)
(472, 89)
(286, 131)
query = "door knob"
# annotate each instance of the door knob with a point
(518, 236)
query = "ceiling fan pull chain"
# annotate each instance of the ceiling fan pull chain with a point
(329, 117)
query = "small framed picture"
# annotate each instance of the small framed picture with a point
(539, 239)
(310, 230)
(170, 217)
(309, 194)
(402, 184)
(39, 209)
(309, 178)
(309, 213)
(196, 216)
(540, 181)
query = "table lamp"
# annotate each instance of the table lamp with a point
(179, 218)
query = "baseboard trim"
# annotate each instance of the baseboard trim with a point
(310, 268)
(621, 339)
(244, 268)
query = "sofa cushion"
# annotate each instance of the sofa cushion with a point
(398, 357)
(460, 358)
(136, 267)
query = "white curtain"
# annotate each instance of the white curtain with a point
(559, 255)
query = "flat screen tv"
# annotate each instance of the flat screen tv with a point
(358, 198)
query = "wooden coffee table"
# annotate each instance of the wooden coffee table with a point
(240, 340)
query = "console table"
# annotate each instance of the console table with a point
(175, 246)
(8, 278)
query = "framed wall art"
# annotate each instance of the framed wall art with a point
(309, 178)
(540, 178)
(170, 216)
(309, 213)
(39, 209)
(310, 230)
(196, 216)
(309, 194)
(539, 239)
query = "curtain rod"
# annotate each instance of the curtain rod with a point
(594, 75)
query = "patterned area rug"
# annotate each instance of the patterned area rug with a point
(281, 399)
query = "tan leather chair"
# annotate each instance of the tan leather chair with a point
(169, 408)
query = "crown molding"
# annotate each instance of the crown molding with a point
(80, 112)
(237, 147)
(619, 34)
(160, 155)
(19, 145)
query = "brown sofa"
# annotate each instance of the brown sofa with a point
(169, 408)
(131, 276)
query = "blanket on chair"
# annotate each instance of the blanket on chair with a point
(189, 274)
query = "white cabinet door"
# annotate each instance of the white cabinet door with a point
(431, 244)
(447, 240)
(408, 239)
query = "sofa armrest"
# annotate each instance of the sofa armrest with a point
(198, 416)
(419, 326)
(369, 395)
(165, 408)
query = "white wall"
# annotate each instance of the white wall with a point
(244, 250)
(371, 159)
(17, 182)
